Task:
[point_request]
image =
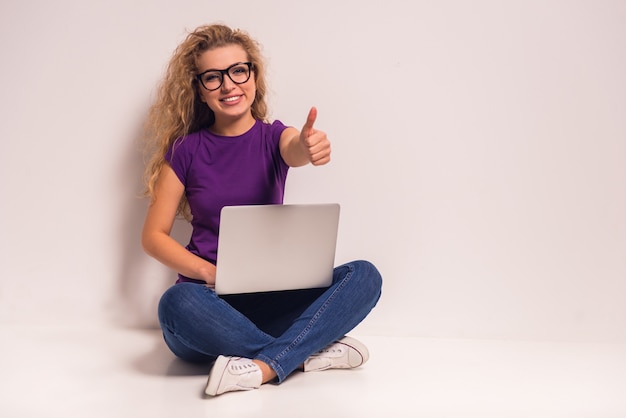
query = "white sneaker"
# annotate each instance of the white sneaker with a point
(346, 353)
(233, 373)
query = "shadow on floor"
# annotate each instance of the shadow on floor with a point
(161, 362)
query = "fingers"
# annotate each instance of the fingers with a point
(318, 148)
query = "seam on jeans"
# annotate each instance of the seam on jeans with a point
(317, 315)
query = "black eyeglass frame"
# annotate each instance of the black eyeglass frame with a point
(226, 72)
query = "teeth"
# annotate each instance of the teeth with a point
(231, 99)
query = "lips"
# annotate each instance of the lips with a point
(230, 99)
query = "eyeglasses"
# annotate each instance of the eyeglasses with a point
(239, 73)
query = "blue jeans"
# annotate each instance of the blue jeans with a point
(281, 329)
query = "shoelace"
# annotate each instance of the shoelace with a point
(331, 349)
(242, 366)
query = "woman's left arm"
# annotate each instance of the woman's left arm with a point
(308, 146)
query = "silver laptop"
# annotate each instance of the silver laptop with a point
(276, 247)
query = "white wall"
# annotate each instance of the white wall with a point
(479, 155)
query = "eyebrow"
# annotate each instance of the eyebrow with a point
(223, 69)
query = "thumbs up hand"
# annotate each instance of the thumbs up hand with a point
(315, 143)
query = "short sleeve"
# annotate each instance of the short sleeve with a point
(276, 130)
(179, 156)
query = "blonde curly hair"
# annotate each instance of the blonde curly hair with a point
(178, 110)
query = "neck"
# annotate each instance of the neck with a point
(233, 127)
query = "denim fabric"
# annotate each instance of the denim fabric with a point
(280, 328)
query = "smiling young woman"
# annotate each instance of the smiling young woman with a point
(211, 145)
(227, 88)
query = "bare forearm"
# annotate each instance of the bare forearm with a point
(295, 154)
(169, 252)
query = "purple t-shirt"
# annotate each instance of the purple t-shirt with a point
(220, 171)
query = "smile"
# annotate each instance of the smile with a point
(231, 99)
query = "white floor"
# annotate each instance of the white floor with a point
(99, 371)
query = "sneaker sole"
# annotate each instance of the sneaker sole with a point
(216, 375)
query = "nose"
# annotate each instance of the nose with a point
(227, 83)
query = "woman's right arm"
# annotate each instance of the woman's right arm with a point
(156, 239)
